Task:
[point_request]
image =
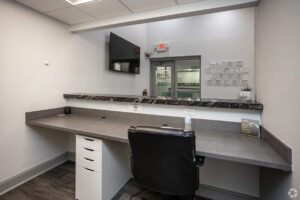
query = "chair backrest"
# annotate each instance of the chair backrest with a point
(163, 160)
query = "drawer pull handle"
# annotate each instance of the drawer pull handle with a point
(88, 139)
(89, 159)
(89, 169)
(89, 149)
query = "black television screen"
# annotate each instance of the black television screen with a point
(123, 55)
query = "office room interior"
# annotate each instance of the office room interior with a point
(149, 99)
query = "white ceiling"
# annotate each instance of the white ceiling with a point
(105, 9)
(99, 9)
(145, 5)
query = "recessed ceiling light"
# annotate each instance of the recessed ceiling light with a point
(78, 2)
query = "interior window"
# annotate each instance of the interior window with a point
(176, 77)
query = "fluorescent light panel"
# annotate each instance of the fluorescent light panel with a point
(78, 2)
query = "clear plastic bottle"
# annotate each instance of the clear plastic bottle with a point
(187, 123)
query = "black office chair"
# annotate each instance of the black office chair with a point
(163, 160)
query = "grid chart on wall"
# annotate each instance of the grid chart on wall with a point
(227, 73)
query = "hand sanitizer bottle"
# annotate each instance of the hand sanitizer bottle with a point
(187, 123)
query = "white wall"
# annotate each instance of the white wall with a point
(114, 82)
(219, 36)
(27, 39)
(77, 64)
(222, 36)
(277, 75)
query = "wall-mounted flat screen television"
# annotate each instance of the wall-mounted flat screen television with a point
(123, 55)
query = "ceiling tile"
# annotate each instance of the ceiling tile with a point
(144, 5)
(104, 9)
(45, 5)
(188, 1)
(71, 16)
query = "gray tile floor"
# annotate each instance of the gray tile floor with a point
(131, 191)
(56, 184)
(59, 184)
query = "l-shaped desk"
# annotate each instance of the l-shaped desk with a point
(219, 140)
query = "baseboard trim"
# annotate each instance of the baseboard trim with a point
(222, 194)
(19, 179)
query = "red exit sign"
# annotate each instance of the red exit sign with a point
(161, 46)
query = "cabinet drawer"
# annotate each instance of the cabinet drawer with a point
(88, 142)
(89, 159)
(88, 184)
(86, 152)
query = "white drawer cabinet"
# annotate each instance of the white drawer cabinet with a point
(88, 143)
(88, 159)
(88, 184)
(102, 168)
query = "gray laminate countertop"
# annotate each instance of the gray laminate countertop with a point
(214, 144)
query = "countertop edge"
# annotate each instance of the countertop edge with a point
(79, 132)
(283, 167)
